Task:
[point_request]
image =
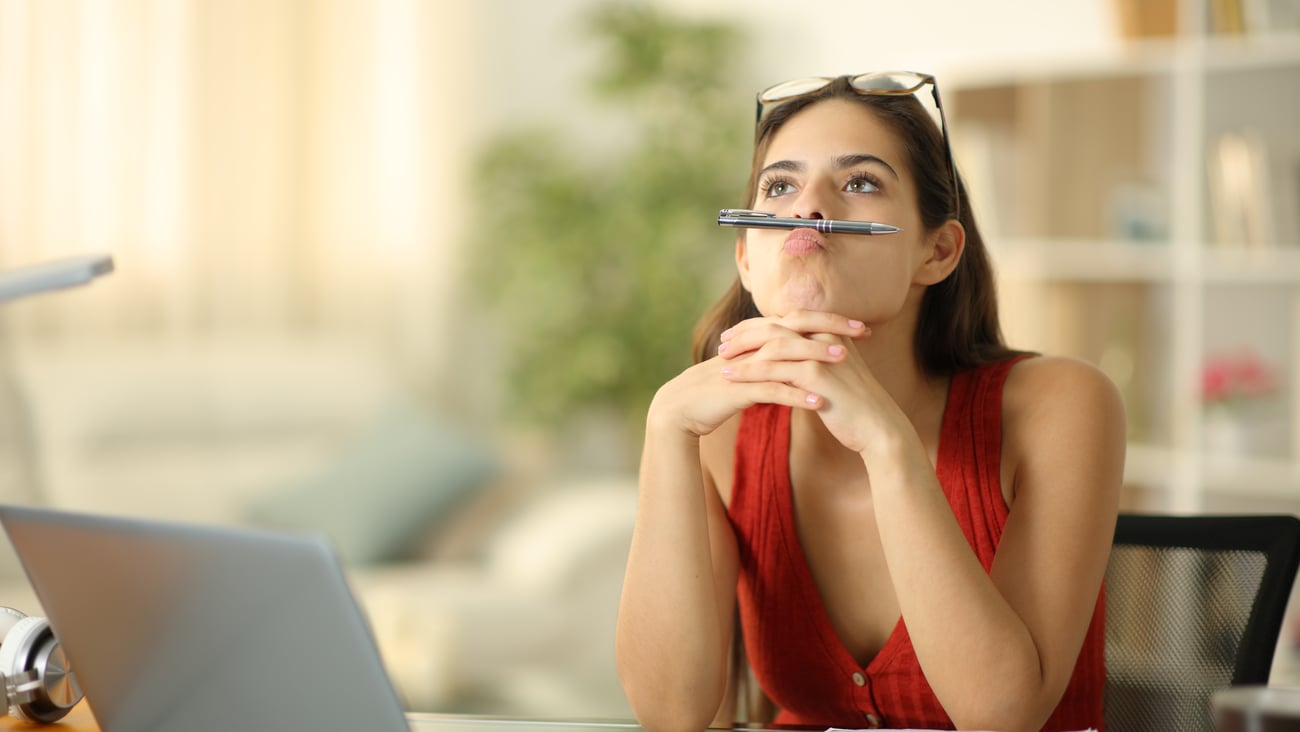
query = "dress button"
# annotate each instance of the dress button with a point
(873, 720)
(859, 679)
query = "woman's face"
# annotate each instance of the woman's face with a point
(835, 160)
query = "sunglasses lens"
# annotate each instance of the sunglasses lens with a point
(889, 82)
(791, 89)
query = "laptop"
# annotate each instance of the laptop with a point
(183, 627)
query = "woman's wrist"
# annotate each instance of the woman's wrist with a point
(668, 430)
(895, 452)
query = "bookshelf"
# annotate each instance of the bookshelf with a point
(1143, 212)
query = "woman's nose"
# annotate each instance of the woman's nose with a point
(811, 203)
(807, 207)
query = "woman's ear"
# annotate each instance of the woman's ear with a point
(946, 246)
(742, 261)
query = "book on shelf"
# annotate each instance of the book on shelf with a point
(1252, 17)
(1254, 187)
(1142, 19)
(1227, 17)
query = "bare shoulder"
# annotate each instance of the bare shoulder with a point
(1046, 386)
(1063, 422)
(718, 457)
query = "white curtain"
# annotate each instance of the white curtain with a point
(254, 166)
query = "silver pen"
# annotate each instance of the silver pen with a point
(746, 219)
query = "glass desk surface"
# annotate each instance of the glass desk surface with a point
(426, 722)
(429, 722)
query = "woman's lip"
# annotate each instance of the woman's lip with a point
(804, 241)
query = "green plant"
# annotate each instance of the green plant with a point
(613, 254)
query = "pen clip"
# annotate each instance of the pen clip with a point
(746, 213)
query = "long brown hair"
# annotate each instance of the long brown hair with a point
(958, 324)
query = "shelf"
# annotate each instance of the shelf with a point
(1080, 260)
(1068, 151)
(1248, 266)
(1230, 474)
(1249, 52)
(1156, 56)
(1151, 465)
(1109, 260)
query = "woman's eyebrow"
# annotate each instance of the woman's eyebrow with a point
(848, 160)
(790, 166)
(852, 160)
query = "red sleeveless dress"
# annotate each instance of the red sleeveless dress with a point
(796, 654)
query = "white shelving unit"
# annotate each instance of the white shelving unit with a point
(1094, 180)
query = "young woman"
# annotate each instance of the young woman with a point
(911, 521)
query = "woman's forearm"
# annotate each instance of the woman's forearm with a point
(674, 620)
(961, 626)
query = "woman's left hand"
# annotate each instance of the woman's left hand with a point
(855, 407)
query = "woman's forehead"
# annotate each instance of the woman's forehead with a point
(832, 128)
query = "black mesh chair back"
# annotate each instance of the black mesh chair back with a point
(1193, 604)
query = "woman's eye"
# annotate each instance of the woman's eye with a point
(860, 185)
(777, 188)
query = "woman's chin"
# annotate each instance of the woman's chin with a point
(805, 300)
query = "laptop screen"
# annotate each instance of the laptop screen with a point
(172, 626)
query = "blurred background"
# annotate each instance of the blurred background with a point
(407, 273)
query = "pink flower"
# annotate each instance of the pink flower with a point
(1236, 378)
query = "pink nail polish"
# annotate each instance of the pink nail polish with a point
(836, 350)
(811, 399)
(722, 348)
(727, 371)
(857, 324)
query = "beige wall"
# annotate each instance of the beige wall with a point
(253, 166)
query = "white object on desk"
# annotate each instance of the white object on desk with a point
(1255, 708)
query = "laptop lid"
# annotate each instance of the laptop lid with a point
(181, 627)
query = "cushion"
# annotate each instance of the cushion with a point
(554, 545)
(385, 491)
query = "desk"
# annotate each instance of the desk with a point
(80, 719)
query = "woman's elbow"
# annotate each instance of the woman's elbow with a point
(1015, 708)
(668, 710)
(666, 702)
(671, 718)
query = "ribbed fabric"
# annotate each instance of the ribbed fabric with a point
(795, 652)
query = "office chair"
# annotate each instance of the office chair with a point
(1193, 604)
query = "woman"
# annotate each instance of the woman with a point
(912, 521)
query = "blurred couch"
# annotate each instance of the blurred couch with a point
(488, 590)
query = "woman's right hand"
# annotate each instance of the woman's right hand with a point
(701, 398)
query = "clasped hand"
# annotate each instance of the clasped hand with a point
(805, 360)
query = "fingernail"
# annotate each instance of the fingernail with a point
(857, 324)
(724, 335)
(727, 371)
(836, 350)
(811, 398)
(722, 348)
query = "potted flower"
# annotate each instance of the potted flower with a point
(1234, 388)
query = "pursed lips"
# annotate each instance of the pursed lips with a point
(801, 242)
